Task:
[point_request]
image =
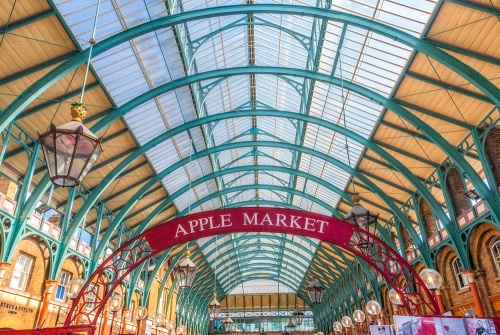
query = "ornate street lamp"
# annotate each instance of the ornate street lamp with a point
(360, 217)
(181, 330)
(75, 286)
(115, 304)
(337, 327)
(431, 278)
(347, 323)
(140, 314)
(434, 281)
(298, 315)
(315, 291)
(158, 320)
(373, 308)
(214, 308)
(290, 327)
(395, 298)
(70, 150)
(185, 271)
(359, 317)
(170, 326)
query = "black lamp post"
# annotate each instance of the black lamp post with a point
(70, 150)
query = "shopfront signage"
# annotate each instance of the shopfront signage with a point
(245, 219)
(16, 307)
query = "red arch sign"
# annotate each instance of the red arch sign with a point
(133, 253)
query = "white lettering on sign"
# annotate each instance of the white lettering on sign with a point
(252, 219)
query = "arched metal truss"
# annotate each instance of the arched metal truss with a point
(135, 252)
(296, 78)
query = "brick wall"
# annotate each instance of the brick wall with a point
(488, 278)
(31, 298)
(456, 191)
(7, 187)
(492, 149)
(427, 218)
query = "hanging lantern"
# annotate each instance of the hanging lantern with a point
(298, 315)
(185, 271)
(290, 327)
(360, 217)
(315, 291)
(228, 323)
(70, 150)
(214, 308)
(140, 313)
(75, 286)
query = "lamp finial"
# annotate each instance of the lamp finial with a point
(78, 111)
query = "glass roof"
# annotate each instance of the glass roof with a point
(234, 41)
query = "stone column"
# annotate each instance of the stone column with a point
(3, 268)
(49, 288)
(124, 320)
(439, 298)
(475, 293)
(104, 322)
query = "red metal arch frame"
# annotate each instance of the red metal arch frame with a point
(88, 305)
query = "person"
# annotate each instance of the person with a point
(480, 330)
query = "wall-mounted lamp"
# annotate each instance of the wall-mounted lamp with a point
(473, 194)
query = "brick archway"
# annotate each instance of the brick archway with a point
(133, 253)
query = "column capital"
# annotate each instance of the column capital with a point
(3, 268)
(470, 275)
(50, 284)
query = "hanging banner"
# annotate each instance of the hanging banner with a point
(381, 330)
(424, 325)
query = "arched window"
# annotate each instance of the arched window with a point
(495, 254)
(460, 278)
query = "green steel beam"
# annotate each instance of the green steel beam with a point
(456, 89)
(56, 101)
(253, 187)
(385, 165)
(97, 116)
(476, 5)
(416, 122)
(387, 182)
(5, 29)
(433, 114)
(406, 153)
(463, 51)
(37, 67)
(474, 77)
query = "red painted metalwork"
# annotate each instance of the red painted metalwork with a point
(69, 330)
(89, 304)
